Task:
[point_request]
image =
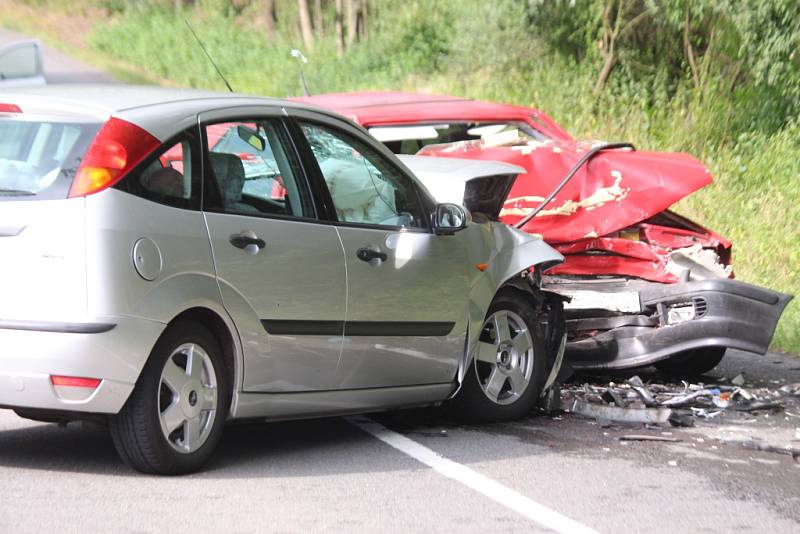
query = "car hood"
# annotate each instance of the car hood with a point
(615, 190)
(480, 186)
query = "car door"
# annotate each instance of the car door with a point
(407, 287)
(281, 272)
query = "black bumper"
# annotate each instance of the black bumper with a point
(727, 313)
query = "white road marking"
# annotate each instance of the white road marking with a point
(472, 479)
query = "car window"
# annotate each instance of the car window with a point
(253, 171)
(364, 186)
(39, 159)
(170, 177)
(410, 139)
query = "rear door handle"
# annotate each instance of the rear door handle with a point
(248, 241)
(368, 254)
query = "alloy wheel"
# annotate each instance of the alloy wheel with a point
(504, 357)
(187, 398)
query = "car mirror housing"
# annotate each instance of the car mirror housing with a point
(449, 219)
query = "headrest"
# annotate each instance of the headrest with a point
(166, 181)
(229, 171)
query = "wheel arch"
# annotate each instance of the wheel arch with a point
(226, 335)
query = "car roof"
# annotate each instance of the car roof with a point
(162, 111)
(372, 108)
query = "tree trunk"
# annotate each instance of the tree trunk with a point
(338, 23)
(305, 25)
(362, 26)
(318, 29)
(352, 21)
(269, 17)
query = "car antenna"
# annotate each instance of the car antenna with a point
(208, 55)
(301, 60)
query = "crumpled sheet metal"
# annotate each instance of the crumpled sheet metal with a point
(614, 190)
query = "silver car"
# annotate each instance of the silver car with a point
(172, 260)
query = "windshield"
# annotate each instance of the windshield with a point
(39, 159)
(410, 139)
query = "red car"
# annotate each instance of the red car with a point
(647, 285)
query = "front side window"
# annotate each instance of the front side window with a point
(364, 186)
(253, 171)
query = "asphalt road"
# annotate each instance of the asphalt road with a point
(416, 471)
(332, 475)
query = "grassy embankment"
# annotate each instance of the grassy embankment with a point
(481, 50)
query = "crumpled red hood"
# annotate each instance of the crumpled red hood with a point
(615, 190)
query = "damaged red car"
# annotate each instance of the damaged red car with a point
(646, 286)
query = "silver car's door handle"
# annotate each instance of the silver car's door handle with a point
(368, 254)
(247, 241)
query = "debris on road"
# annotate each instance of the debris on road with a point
(647, 437)
(658, 403)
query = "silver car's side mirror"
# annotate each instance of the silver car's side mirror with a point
(449, 219)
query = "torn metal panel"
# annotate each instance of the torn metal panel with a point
(606, 412)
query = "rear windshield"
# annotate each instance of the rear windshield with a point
(410, 139)
(38, 160)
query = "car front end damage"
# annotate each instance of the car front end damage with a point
(606, 208)
(622, 323)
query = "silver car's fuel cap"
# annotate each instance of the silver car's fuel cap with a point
(147, 258)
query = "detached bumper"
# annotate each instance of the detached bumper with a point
(113, 350)
(673, 318)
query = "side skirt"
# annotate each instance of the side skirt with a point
(306, 405)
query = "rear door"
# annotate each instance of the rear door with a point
(281, 273)
(407, 287)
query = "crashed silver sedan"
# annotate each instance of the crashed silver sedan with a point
(172, 260)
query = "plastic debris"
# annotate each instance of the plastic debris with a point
(655, 403)
(647, 437)
(608, 412)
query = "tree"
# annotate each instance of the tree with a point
(318, 18)
(339, 23)
(305, 24)
(269, 17)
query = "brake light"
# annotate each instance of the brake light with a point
(75, 381)
(118, 148)
(10, 108)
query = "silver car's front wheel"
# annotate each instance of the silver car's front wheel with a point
(173, 420)
(504, 358)
(509, 364)
(187, 398)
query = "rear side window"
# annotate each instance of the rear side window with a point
(170, 176)
(38, 160)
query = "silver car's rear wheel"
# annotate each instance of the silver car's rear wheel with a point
(173, 420)
(504, 359)
(187, 398)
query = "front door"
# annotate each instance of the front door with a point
(407, 287)
(281, 273)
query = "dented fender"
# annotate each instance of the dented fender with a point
(512, 252)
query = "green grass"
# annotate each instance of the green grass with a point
(484, 50)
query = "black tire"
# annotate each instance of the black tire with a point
(472, 404)
(692, 362)
(136, 429)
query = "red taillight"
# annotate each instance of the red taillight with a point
(75, 381)
(118, 147)
(10, 108)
